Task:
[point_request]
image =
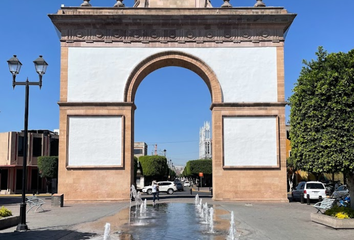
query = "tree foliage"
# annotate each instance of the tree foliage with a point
(322, 115)
(154, 165)
(172, 174)
(48, 166)
(194, 167)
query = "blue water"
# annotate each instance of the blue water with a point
(172, 221)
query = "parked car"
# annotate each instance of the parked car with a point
(329, 188)
(187, 184)
(164, 186)
(341, 191)
(314, 189)
(179, 186)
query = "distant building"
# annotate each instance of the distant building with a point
(140, 149)
(40, 143)
(205, 142)
(179, 170)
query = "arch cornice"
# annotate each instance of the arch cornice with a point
(172, 58)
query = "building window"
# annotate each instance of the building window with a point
(288, 134)
(20, 146)
(54, 147)
(138, 151)
(37, 147)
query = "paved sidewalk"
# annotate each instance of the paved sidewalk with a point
(58, 223)
(255, 221)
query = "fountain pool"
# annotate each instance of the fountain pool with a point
(164, 221)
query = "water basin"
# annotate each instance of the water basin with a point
(162, 221)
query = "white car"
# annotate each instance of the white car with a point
(314, 189)
(187, 184)
(164, 186)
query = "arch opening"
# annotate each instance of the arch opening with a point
(172, 103)
(177, 59)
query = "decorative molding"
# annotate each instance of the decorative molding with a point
(180, 26)
(97, 104)
(171, 35)
(244, 104)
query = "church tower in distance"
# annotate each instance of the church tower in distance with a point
(205, 142)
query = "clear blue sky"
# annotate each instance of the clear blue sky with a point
(161, 116)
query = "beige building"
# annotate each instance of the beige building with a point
(140, 149)
(106, 52)
(40, 143)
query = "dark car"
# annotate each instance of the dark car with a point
(179, 186)
(341, 191)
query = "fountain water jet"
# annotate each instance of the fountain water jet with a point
(138, 199)
(201, 210)
(232, 231)
(211, 222)
(196, 201)
(107, 229)
(143, 208)
(206, 213)
(132, 195)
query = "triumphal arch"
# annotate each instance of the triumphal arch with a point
(106, 52)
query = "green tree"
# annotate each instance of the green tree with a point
(154, 166)
(172, 174)
(48, 167)
(322, 116)
(194, 167)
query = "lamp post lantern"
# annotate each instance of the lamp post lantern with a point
(15, 67)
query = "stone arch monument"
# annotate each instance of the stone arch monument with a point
(107, 51)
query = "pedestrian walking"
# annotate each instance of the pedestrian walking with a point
(154, 191)
(157, 192)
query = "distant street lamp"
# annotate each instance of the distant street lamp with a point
(15, 67)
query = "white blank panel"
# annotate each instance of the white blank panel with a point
(250, 141)
(101, 74)
(95, 141)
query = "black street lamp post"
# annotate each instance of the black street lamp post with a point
(15, 67)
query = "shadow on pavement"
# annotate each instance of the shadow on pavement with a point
(9, 200)
(47, 234)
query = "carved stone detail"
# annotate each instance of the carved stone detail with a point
(86, 3)
(119, 4)
(226, 25)
(209, 34)
(172, 35)
(226, 4)
(259, 3)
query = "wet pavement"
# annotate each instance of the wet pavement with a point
(253, 220)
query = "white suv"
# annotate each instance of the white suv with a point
(164, 186)
(314, 189)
